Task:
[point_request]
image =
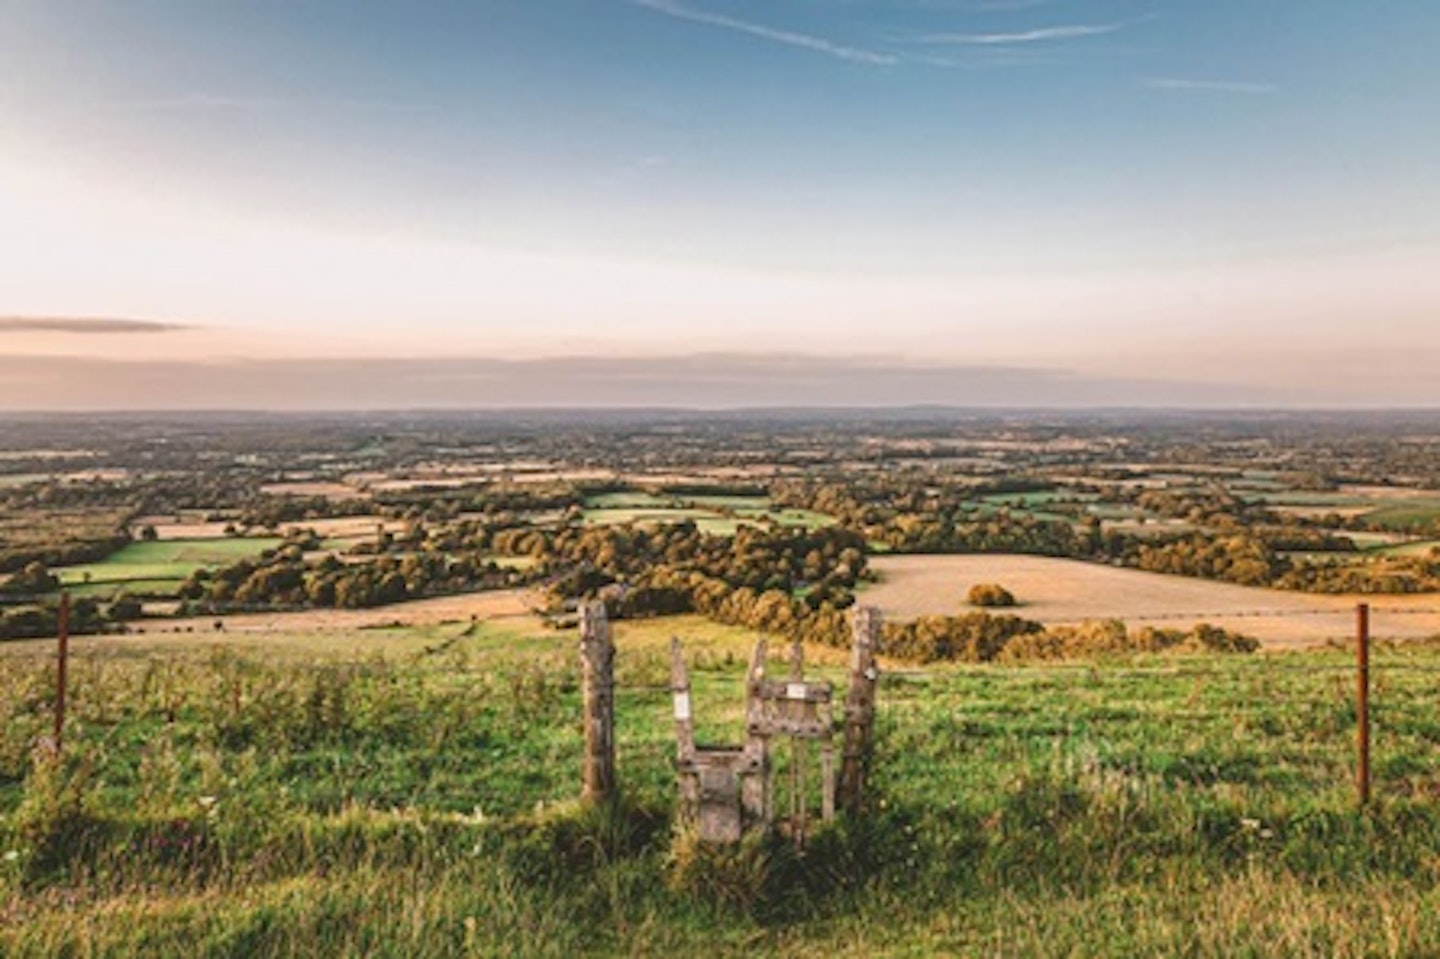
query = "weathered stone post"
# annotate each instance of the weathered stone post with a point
(860, 708)
(597, 655)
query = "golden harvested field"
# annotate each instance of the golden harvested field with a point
(501, 619)
(338, 527)
(509, 604)
(1069, 591)
(345, 632)
(1388, 492)
(335, 491)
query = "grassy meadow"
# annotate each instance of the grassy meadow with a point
(159, 566)
(410, 791)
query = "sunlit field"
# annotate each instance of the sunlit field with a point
(413, 791)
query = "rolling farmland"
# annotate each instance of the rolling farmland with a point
(1061, 591)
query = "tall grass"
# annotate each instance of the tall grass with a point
(232, 804)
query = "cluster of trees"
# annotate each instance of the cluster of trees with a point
(54, 531)
(979, 637)
(39, 621)
(972, 637)
(786, 581)
(1238, 558)
(63, 550)
(1239, 542)
(285, 579)
(913, 516)
(269, 512)
(1111, 636)
(34, 579)
(1296, 538)
(437, 503)
(1251, 560)
(785, 558)
(668, 590)
(1379, 574)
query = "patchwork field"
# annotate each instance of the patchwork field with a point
(165, 561)
(712, 514)
(511, 605)
(1401, 509)
(1056, 591)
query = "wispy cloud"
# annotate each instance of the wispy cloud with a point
(693, 381)
(788, 37)
(1207, 86)
(83, 325)
(210, 101)
(1073, 31)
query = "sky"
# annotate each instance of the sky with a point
(336, 204)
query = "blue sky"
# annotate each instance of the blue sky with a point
(1234, 196)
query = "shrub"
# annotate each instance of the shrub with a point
(1111, 636)
(990, 595)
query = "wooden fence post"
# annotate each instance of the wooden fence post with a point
(1362, 702)
(597, 654)
(62, 668)
(860, 709)
(756, 797)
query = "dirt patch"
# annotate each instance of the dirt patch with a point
(1389, 492)
(1313, 512)
(334, 491)
(484, 607)
(1056, 591)
(347, 527)
(171, 530)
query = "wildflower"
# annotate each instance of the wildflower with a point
(12, 855)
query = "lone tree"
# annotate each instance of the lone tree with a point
(990, 594)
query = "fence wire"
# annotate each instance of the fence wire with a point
(1346, 611)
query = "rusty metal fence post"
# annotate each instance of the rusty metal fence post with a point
(597, 654)
(62, 668)
(1362, 702)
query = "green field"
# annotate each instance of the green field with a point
(410, 792)
(1419, 548)
(627, 500)
(720, 515)
(1410, 514)
(1039, 498)
(1308, 498)
(142, 566)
